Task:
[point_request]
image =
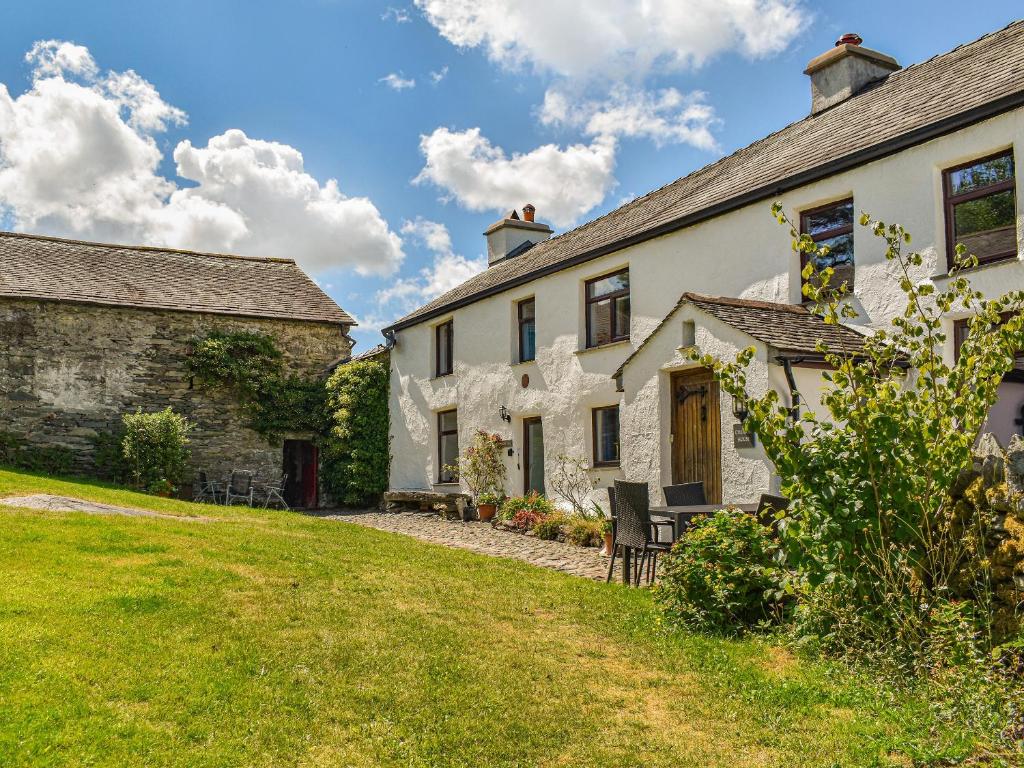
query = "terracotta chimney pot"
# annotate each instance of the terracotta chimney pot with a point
(528, 212)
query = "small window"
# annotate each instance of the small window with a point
(447, 446)
(606, 436)
(981, 208)
(527, 330)
(444, 338)
(960, 331)
(689, 334)
(607, 300)
(831, 225)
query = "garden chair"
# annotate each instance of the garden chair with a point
(635, 530)
(273, 493)
(685, 494)
(207, 490)
(239, 487)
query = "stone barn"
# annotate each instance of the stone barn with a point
(89, 332)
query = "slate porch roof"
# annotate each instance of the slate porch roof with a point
(787, 328)
(969, 84)
(56, 269)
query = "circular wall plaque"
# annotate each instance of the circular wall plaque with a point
(526, 380)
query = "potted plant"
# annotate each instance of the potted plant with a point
(487, 505)
(483, 470)
(609, 537)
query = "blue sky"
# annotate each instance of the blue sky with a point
(572, 112)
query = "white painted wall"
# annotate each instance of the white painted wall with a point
(742, 254)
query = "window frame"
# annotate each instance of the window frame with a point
(441, 434)
(520, 323)
(447, 327)
(594, 415)
(950, 201)
(612, 296)
(826, 235)
(961, 326)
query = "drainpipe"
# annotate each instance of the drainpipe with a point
(794, 395)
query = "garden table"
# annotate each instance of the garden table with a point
(682, 515)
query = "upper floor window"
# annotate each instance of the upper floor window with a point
(448, 446)
(831, 225)
(981, 208)
(607, 300)
(527, 316)
(444, 348)
(606, 436)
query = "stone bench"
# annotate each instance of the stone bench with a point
(424, 501)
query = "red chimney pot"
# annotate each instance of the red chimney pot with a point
(528, 212)
(850, 38)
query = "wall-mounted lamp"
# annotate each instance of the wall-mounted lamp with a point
(739, 409)
(503, 412)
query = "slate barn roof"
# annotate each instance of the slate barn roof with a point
(55, 269)
(969, 84)
(787, 328)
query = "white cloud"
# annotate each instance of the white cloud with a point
(439, 75)
(618, 38)
(397, 15)
(665, 116)
(78, 158)
(396, 82)
(446, 271)
(563, 183)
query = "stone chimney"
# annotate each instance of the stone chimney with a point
(844, 71)
(512, 236)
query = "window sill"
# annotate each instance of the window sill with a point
(442, 376)
(983, 265)
(518, 363)
(606, 465)
(598, 348)
(445, 486)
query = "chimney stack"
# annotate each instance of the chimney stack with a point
(844, 71)
(512, 236)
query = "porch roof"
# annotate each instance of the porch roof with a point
(788, 328)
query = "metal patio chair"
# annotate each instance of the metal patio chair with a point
(273, 493)
(208, 490)
(239, 487)
(767, 506)
(634, 530)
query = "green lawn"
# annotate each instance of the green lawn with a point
(273, 639)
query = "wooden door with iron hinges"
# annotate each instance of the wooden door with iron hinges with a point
(697, 432)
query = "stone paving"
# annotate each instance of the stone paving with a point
(486, 540)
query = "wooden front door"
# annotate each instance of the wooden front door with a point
(533, 455)
(301, 464)
(697, 432)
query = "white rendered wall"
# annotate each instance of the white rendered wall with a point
(742, 254)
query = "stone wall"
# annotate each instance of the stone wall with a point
(70, 371)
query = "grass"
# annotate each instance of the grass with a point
(273, 639)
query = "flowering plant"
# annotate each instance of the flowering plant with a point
(482, 468)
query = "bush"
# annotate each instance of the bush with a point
(721, 576)
(534, 503)
(481, 467)
(549, 527)
(155, 448)
(584, 532)
(14, 452)
(356, 452)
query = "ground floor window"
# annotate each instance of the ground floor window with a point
(606, 436)
(447, 446)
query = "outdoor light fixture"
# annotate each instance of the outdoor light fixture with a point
(739, 410)
(503, 412)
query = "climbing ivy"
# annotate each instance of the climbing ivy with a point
(356, 453)
(250, 365)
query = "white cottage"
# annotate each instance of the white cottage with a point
(574, 344)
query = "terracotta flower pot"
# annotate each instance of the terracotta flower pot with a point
(609, 542)
(486, 512)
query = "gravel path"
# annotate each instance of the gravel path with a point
(52, 503)
(486, 540)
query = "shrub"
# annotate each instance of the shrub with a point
(482, 467)
(155, 448)
(355, 454)
(571, 481)
(584, 532)
(533, 503)
(549, 527)
(721, 576)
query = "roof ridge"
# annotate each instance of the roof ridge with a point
(730, 301)
(151, 248)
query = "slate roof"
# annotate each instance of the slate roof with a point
(787, 328)
(55, 269)
(970, 83)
